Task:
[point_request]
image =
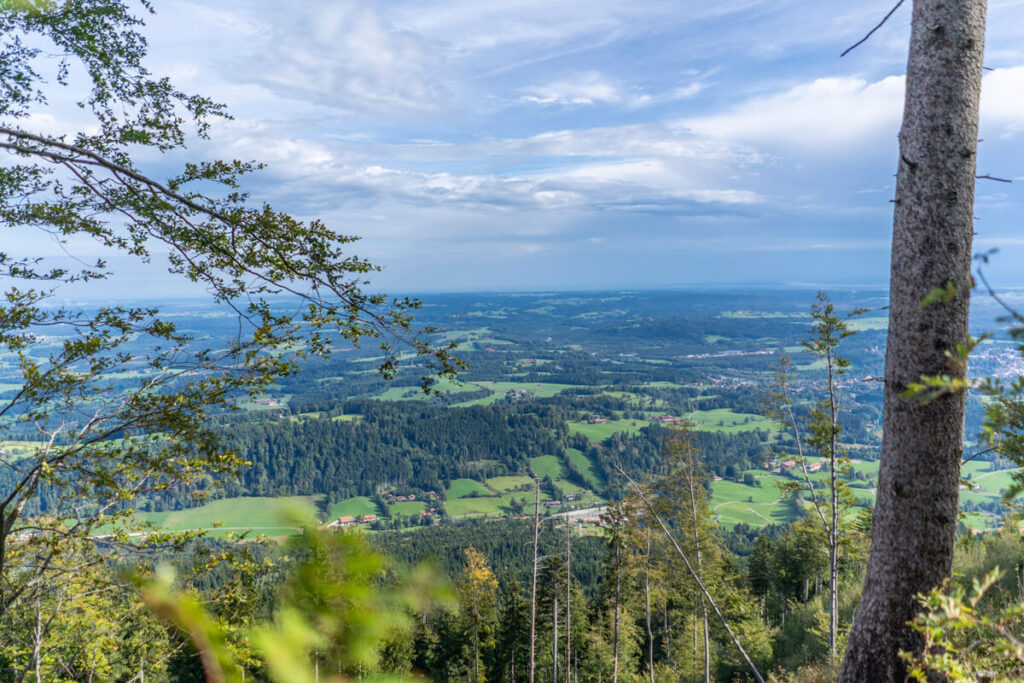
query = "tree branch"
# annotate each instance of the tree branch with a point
(871, 32)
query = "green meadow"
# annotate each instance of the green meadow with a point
(733, 502)
(407, 508)
(725, 420)
(596, 433)
(462, 488)
(265, 515)
(353, 507)
(498, 389)
(583, 465)
(510, 483)
(547, 466)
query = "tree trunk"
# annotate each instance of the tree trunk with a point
(476, 644)
(568, 599)
(647, 608)
(833, 530)
(668, 633)
(700, 569)
(916, 510)
(533, 587)
(554, 641)
(615, 638)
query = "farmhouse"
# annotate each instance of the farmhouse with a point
(814, 467)
(789, 463)
(346, 521)
(369, 518)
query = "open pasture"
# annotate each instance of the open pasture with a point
(547, 466)
(407, 508)
(583, 465)
(510, 483)
(235, 514)
(536, 389)
(725, 420)
(463, 488)
(353, 507)
(596, 433)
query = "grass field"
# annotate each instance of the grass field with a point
(584, 496)
(979, 520)
(461, 488)
(600, 432)
(505, 484)
(725, 490)
(353, 507)
(266, 515)
(537, 389)
(734, 502)
(869, 323)
(730, 514)
(725, 420)
(16, 450)
(547, 466)
(489, 505)
(461, 507)
(401, 394)
(583, 465)
(407, 508)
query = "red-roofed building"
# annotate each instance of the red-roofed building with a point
(369, 518)
(346, 521)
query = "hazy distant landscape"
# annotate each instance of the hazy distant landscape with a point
(609, 372)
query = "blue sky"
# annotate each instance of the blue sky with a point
(539, 144)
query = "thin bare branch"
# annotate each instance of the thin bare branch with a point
(871, 32)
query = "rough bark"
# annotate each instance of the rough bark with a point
(915, 515)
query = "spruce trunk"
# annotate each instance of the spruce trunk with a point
(916, 511)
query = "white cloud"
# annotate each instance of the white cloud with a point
(671, 139)
(827, 112)
(345, 55)
(1002, 100)
(597, 187)
(592, 88)
(586, 88)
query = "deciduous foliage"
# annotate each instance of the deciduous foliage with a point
(478, 591)
(103, 442)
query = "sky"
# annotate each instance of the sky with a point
(570, 144)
